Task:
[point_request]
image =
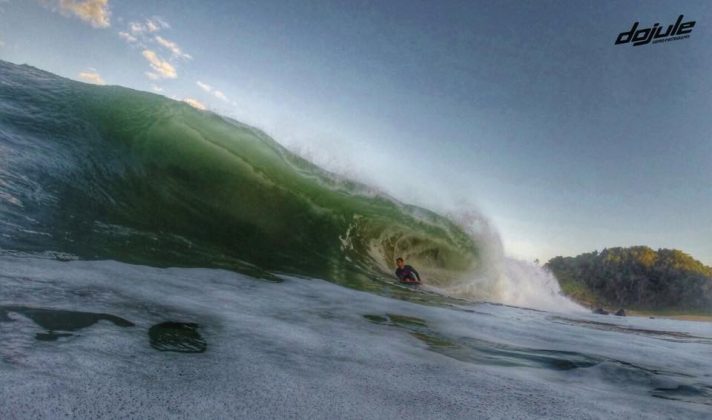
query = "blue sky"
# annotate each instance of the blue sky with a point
(526, 112)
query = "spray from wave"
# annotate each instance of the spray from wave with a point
(503, 279)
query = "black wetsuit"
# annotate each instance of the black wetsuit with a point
(407, 274)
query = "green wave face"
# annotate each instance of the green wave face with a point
(108, 172)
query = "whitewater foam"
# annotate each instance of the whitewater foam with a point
(500, 278)
(309, 348)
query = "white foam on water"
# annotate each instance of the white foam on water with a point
(303, 349)
(503, 279)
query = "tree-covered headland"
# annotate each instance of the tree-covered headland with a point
(637, 278)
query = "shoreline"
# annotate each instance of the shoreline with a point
(679, 316)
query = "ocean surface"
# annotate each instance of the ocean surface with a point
(161, 261)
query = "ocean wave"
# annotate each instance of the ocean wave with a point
(106, 172)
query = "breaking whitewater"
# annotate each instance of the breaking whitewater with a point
(160, 261)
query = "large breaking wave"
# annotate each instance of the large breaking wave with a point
(106, 172)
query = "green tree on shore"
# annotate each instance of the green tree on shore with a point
(637, 277)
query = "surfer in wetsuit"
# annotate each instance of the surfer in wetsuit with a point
(406, 273)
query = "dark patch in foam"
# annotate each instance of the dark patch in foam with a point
(376, 319)
(402, 320)
(473, 350)
(698, 393)
(432, 340)
(54, 320)
(51, 336)
(180, 337)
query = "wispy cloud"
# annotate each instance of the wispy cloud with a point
(128, 37)
(156, 23)
(195, 103)
(211, 90)
(160, 66)
(140, 32)
(206, 87)
(149, 25)
(136, 27)
(92, 77)
(156, 88)
(172, 47)
(94, 12)
(218, 94)
(142, 35)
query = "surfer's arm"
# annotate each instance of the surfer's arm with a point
(416, 273)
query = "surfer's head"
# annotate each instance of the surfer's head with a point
(399, 262)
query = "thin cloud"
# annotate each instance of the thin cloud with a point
(94, 12)
(136, 27)
(154, 24)
(152, 27)
(91, 77)
(172, 47)
(128, 37)
(211, 90)
(142, 35)
(206, 87)
(156, 88)
(195, 103)
(160, 66)
(218, 94)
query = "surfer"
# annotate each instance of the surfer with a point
(406, 273)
